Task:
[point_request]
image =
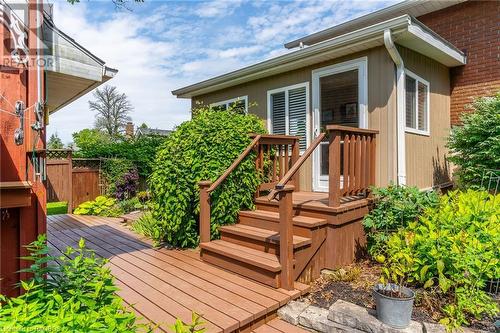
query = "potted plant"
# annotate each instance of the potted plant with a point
(394, 301)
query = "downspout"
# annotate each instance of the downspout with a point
(400, 106)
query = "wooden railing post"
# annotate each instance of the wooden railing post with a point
(204, 211)
(295, 158)
(286, 236)
(334, 169)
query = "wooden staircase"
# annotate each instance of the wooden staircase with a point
(252, 247)
(279, 243)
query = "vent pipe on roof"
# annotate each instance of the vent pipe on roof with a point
(400, 106)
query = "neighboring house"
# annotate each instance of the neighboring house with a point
(387, 71)
(141, 131)
(42, 70)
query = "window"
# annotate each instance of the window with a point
(238, 105)
(417, 104)
(287, 111)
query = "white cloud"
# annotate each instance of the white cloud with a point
(162, 46)
(219, 8)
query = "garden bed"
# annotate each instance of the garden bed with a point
(354, 284)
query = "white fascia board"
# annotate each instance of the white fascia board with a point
(438, 43)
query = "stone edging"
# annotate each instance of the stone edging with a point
(343, 317)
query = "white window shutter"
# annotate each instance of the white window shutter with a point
(278, 108)
(297, 112)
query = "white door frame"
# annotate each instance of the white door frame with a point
(320, 183)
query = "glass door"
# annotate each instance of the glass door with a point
(339, 98)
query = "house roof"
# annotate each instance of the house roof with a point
(152, 132)
(413, 8)
(72, 70)
(406, 30)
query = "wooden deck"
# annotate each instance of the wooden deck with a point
(163, 285)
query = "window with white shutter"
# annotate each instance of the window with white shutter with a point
(287, 111)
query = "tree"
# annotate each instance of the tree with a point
(55, 142)
(112, 110)
(475, 145)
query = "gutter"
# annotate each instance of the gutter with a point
(400, 106)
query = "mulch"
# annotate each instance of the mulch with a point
(325, 292)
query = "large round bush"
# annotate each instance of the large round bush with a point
(202, 149)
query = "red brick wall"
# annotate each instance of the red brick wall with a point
(474, 27)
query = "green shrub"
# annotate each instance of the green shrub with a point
(148, 226)
(475, 146)
(453, 250)
(101, 206)
(395, 207)
(55, 208)
(79, 296)
(202, 149)
(113, 171)
(194, 327)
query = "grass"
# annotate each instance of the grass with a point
(54, 208)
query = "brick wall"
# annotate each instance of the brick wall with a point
(474, 27)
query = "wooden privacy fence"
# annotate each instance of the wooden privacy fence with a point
(71, 179)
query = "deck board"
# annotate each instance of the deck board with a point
(165, 284)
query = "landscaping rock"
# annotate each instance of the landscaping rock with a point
(315, 318)
(360, 318)
(433, 328)
(291, 312)
(438, 328)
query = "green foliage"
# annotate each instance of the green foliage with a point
(475, 145)
(78, 296)
(101, 206)
(136, 153)
(453, 250)
(130, 205)
(193, 327)
(54, 142)
(202, 149)
(54, 208)
(395, 207)
(148, 226)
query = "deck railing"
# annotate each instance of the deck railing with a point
(351, 162)
(274, 155)
(351, 158)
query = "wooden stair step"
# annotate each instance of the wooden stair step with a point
(303, 221)
(263, 235)
(266, 261)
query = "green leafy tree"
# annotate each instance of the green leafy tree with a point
(475, 145)
(55, 142)
(90, 143)
(202, 149)
(112, 109)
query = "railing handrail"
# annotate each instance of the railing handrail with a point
(236, 162)
(296, 166)
(351, 129)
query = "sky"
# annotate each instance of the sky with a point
(159, 46)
